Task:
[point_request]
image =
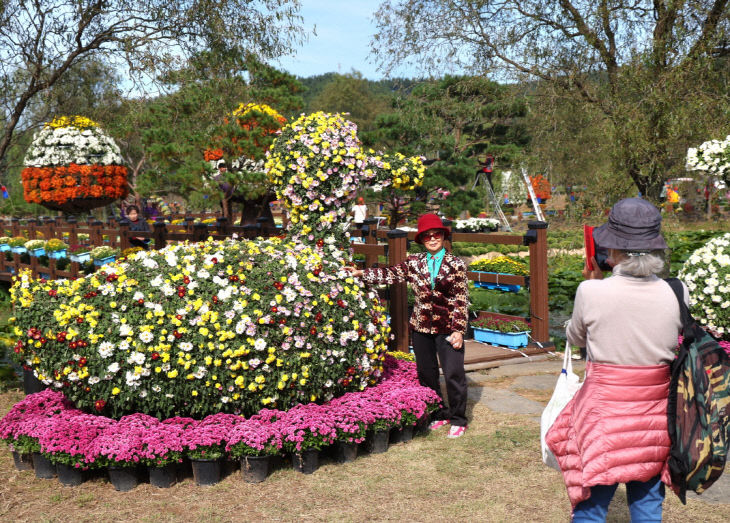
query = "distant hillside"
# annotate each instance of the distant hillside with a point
(315, 84)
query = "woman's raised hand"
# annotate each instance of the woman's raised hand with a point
(357, 273)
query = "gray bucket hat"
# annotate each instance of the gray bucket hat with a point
(633, 225)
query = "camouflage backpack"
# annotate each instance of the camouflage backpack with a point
(699, 407)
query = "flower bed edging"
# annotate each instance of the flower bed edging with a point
(139, 439)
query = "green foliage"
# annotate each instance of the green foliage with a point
(455, 120)
(513, 303)
(353, 94)
(637, 79)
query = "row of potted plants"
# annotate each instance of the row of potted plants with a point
(49, 428)
(57, 248)
(506, 265)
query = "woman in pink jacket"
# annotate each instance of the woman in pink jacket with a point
(615, 428)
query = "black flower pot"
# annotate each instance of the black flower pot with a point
(23, 461)
(69, 475)
(164, 476)
(378, 441)
(255, 469)
(184, 470)
(346, 451)
(31, 384)
(401, 434)
(206, 471)
(306, 461)
(423, 423)
(123, 479)
(44, 469)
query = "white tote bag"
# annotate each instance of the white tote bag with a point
(566, 387)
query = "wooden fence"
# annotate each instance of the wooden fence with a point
(390, 244)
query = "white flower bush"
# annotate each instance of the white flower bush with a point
(707, 275)
(475, 224)
(83, 145)
(712, 157)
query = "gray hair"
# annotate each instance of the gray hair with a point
(642, 264)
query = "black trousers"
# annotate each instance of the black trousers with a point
(427, 347)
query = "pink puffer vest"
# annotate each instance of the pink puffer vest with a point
(614, 430)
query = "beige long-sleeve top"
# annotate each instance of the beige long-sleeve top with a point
(624, 320)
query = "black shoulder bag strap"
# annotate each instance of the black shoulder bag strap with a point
(676, 461)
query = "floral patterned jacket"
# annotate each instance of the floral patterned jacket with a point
(441, 310)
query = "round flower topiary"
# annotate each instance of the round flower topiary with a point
(70, 161)
(707, 275)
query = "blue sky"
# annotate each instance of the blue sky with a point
(342, 43)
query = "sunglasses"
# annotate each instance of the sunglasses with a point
(433, 235)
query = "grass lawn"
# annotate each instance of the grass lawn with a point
(493, 473)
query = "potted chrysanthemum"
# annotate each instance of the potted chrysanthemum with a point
(35, 247)
(103, 255)
(56, 248)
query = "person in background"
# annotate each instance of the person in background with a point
(360, 212)
(614, 430)
(139, 225)
(439, 319)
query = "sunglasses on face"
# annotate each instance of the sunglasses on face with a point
(432, 235)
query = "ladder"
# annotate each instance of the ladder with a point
(492, 198)
(531, 191)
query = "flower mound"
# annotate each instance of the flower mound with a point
(707, 275)
(196, 329)
(72, 158)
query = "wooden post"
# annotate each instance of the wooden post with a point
(537, 240)
(371, 238)
(15, 225)
(263, 224)
(159, 235)
(95, 237)
(200, 232)
(124, 235)
(223, 225)
(397, 252)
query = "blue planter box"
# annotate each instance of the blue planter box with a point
(37, 252)
(19, 250)
(45, 275)
(57, 254)
(81, 257)
(104, 261)
(513, 340)
(498, 286)
(4, 247)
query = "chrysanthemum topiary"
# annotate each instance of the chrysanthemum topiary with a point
(317, 164)
(225, 326)
(707, 275)
(73, 165)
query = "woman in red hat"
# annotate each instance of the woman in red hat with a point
(439, 319)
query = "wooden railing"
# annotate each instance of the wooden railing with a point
(390, 244)
(396, 251)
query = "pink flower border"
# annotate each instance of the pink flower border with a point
(138, 438)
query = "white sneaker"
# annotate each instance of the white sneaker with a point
(456, 431)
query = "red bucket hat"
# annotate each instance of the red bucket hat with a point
(428, 222)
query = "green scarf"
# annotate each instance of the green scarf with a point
(434, 264)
